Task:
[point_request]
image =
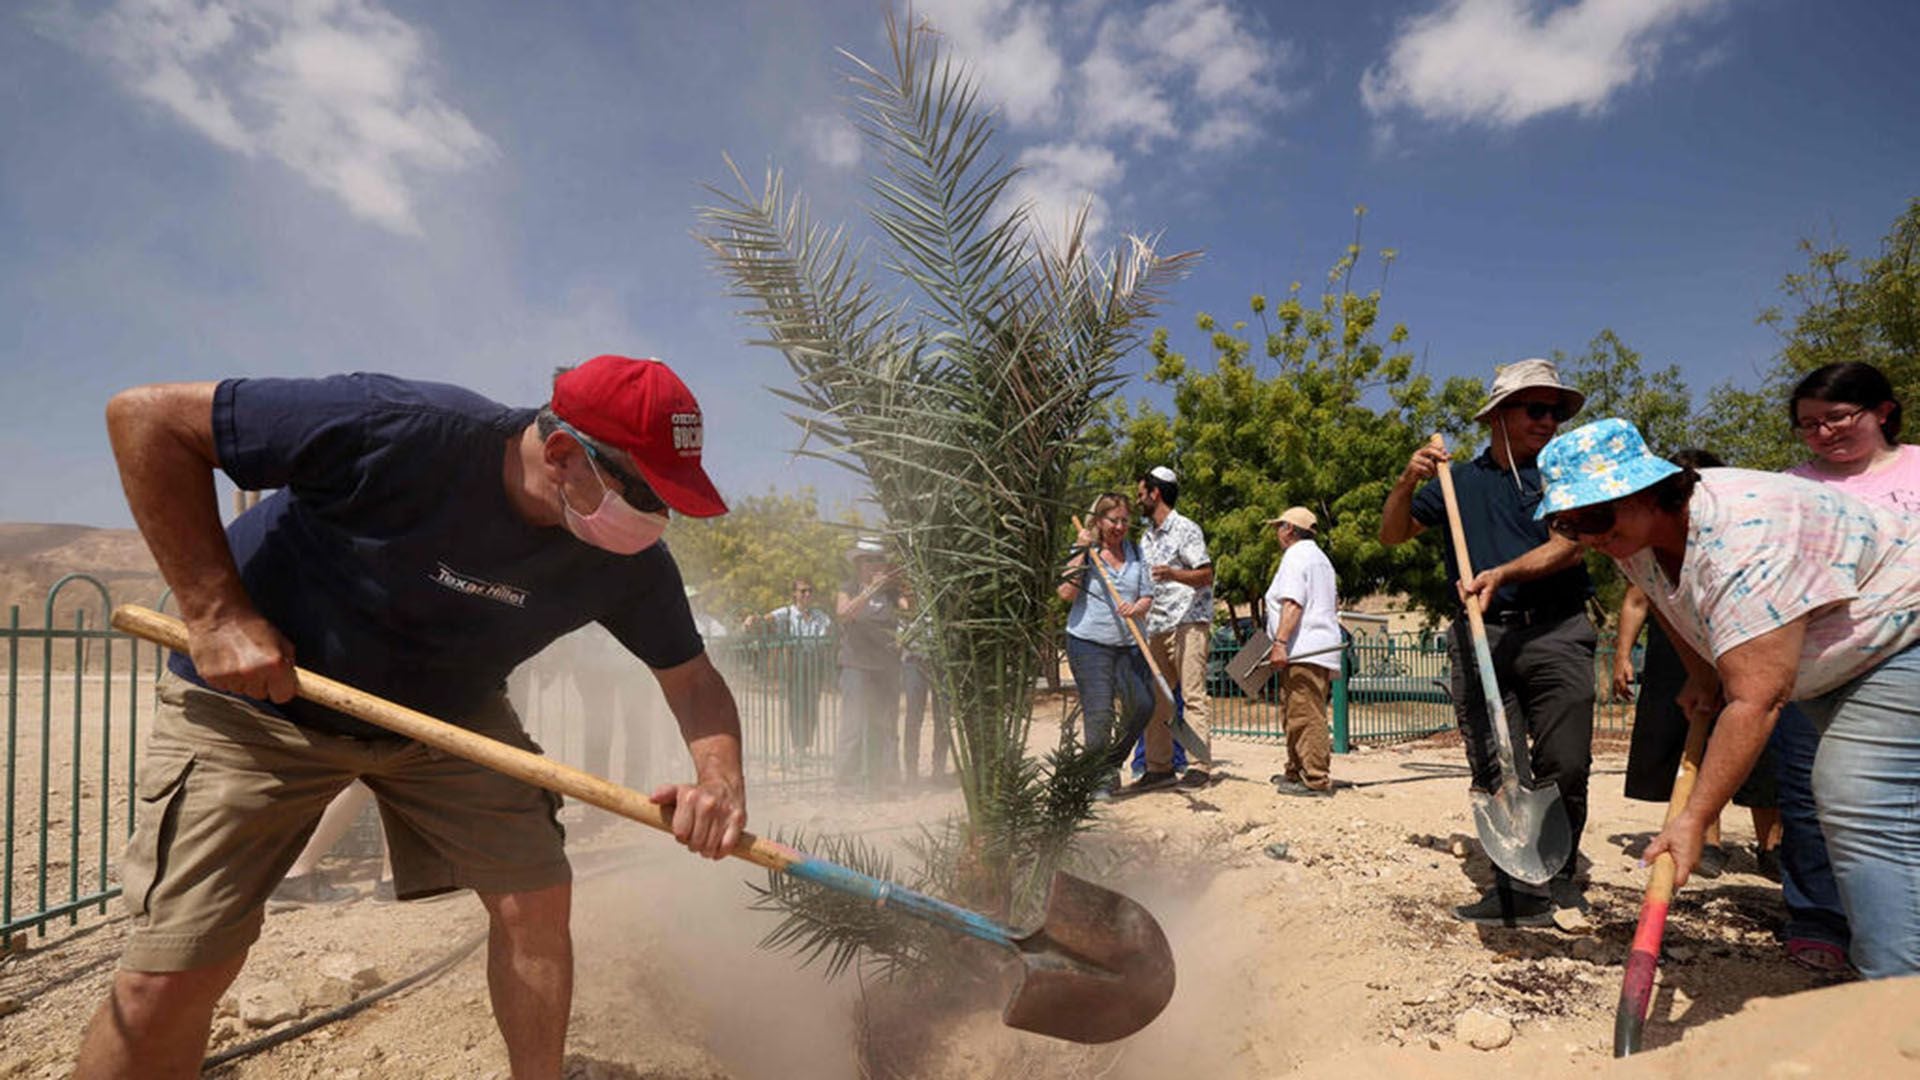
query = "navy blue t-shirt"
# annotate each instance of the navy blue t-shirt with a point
(391, 557)
(1498, 519)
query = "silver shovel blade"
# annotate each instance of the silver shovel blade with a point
(1524, 830)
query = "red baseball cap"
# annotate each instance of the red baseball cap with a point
(642, 407)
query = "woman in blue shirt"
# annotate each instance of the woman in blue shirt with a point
(1101, 651)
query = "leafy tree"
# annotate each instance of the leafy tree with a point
(1324, 415)
(1841, 310)
(744, 561)
(965, 407)
(1610, 375)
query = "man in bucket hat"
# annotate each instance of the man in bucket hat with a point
(423, 541)
(1534, 587)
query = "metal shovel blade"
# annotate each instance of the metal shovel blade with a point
(1098, 969)
(1524, 829)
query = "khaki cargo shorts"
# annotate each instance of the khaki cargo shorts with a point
(228, 796)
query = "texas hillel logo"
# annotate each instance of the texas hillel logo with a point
(686, 433)
(472, 586)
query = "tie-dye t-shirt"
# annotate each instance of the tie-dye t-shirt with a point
(1765, 549)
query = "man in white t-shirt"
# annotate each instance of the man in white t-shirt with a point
(1303, 617)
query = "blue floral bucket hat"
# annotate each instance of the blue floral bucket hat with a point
(1596, 463)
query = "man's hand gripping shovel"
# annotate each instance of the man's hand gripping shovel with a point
(1097, 969)
(1522, 826)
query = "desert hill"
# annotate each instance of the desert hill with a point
(34, 556)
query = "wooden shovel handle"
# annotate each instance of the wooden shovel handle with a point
(520, 764)
(1458, 534)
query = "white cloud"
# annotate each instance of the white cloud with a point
(1208, 43)
(1007, 46)
(337, 90)
(1099, 79)
(831, 139)
(1115, 99)
(1504, 62)
(1058, 179)
(1180, 65)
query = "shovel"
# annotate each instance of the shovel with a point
(1189, 738)
(1523, 827)
(1636, 985)
(1097, 969)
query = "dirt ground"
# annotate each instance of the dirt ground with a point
(1312, 939)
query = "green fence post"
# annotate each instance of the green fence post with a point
(1341, 742)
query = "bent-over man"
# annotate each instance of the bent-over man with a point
(423, 541)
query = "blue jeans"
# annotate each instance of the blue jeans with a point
(1099, 672)
(1814, 912)
(1179, 751)
(1866, 782)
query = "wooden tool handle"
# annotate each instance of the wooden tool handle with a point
(1458, 534)
(1093, 556)
(520, 764)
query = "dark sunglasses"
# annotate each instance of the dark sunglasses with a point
(634, 490)
(1586, 521)
(1540, 410)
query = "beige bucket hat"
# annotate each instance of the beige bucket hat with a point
(1528, 375)
(1297, 516)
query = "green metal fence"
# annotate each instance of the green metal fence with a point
(1391, 688)
(76, 691)
(73, 701)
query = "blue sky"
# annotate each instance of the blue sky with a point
(477, 191)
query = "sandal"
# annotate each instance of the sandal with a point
(1820, 957)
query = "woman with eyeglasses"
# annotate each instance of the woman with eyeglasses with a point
(1100, 651)
(1777, 589)
(1849, 418)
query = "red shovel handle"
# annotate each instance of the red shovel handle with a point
(1636, 986)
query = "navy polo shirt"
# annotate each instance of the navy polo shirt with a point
(391, 558)
(1497, 517)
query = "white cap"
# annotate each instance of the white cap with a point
(1163, 474)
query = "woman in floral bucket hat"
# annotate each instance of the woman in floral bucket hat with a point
(1776, 589)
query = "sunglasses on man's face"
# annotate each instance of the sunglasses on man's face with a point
(1586, 521)
(634, 490)
(1540, 410)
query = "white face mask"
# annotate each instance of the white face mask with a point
(613, 525)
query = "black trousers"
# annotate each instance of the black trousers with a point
(1546, 678)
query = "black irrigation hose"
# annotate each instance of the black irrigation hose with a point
(319, 1020)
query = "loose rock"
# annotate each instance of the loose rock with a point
(347, 967)
(1482, 1030)
(268, 1003)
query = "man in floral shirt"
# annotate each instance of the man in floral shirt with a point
(1180, 625)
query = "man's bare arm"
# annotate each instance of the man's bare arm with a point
(162, 437)
(710, 813)
(1397, 525)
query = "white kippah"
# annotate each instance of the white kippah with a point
(1163, 474)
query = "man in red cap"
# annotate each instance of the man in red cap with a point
(423, 541)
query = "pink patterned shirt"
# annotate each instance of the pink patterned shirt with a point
(1764, 549)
